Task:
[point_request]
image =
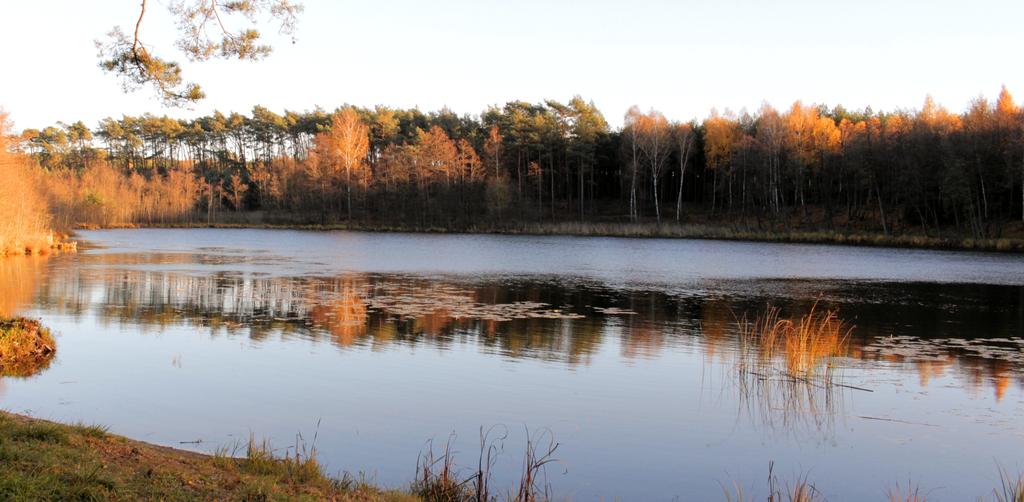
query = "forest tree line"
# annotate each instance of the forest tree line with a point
(926, 170)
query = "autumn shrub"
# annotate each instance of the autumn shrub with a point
(104, 196)
(24, 217)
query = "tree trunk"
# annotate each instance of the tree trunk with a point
(679, 198)
(323, 202)
(540, 195)
(984, 197)
(348, 193)
(581, 194)
(632, 190)
(714, 189)
(657, 205)
(881, 210)
(551, 165)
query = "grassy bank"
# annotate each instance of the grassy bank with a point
(643, 230)
(41, 460)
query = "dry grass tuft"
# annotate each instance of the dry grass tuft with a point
(438, 479)
(800, 490)
(296, 467)
(912, 493)
(1011, 488)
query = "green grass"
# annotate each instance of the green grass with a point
(91, 430)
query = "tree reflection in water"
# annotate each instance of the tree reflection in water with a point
(567, 321)
(27, 348)
(18, 278)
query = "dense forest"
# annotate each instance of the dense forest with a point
(926, 171)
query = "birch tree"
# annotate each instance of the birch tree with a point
(656, 146)
(683, 135)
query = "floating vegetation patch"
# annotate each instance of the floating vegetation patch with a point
(916, 349)
(458, 304)
(614, 311)
(26, 347)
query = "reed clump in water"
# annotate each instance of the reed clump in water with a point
(785, 369)
(26, 347)
(803, 347)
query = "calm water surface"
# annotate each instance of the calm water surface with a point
(625, 350)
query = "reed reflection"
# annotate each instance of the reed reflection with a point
(786, 369)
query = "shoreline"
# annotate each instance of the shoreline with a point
(636, 231)
(47, 460)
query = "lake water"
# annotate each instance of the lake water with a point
(624, 350)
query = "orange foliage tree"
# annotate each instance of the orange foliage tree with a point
(343, 149)
(24, 217)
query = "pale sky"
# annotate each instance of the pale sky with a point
(681, 57)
